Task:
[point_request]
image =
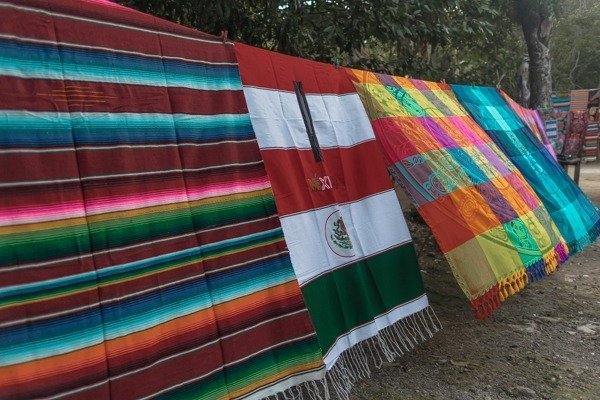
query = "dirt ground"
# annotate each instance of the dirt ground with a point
(543, 343)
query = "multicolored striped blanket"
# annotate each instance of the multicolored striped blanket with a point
(552, 132)
(577, 218)
(561, 103)
(141, 255)
(533, 120)
(590, 147)
(492, 228)
(348, 240)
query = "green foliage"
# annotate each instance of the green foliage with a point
(576, 50)
(456, 40)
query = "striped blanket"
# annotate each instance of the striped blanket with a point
(141, 255)
(348, 240)
(574, 214)
(492, 228)
(533, 120)
(579, 100)
(552, 132)
(590, 147)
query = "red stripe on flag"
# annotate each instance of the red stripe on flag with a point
(267, 69)
(300, 183)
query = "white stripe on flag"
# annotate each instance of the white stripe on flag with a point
(339, 121)
(316, 245)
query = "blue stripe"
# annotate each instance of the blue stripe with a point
(41, 129)
(136, 266)
(84, 329)
(29, 60)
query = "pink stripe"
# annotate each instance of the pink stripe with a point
(26, 215)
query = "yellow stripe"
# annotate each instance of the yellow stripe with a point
(273, 378)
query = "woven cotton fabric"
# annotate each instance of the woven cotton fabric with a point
(141, 255)
(576, 217)
(492, 228)
(348, 240)
(534, 122)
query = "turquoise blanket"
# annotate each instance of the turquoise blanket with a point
(577, 218)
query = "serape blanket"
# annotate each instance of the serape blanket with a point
(552, 132)
(590, 147)
(577, 218)
(561, 100)
(347, 237)
(579, 100)
(141, 255)
(533, 120)
(492, 228)
(561, 103)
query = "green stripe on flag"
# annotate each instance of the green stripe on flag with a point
(357, 293)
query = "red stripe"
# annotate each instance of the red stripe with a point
(52, 95)
(354, 173)
(60, 193)
(41, 26)
(47, 166)
(68, 268)
(191, 366)
(60, 382)
(267, 69)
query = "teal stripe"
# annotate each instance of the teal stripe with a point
(22, 122)
(108, 272)
(81, 338)
(27, 60)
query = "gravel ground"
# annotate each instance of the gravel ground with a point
(543, 343)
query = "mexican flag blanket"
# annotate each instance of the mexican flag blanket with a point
(141, 255)
(533, 120)
(492, 228)
(577, 218)
(347, 237)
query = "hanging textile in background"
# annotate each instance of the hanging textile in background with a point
(552, 132)
(575, 136)
(488, 222)
(561, 102)
(579, 100)
(590, 147)
(141, 255)
(348, 240)
(533, 120)
(573, 213)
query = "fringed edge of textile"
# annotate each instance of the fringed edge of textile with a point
(358, 362)
(578, 245)
(484, 306)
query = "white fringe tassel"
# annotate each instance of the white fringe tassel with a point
(356, 362)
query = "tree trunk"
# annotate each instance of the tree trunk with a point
(537, 27)
(523, 83)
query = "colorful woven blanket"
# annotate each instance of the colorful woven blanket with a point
(490, 225)
(141, 255)
(348, 240)
(552, 131)
(533, 120)
(575, 134)
(574, 214)
(590, 147)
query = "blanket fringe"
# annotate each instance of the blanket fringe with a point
(485, 305)
(578, 245)
(357, 362)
